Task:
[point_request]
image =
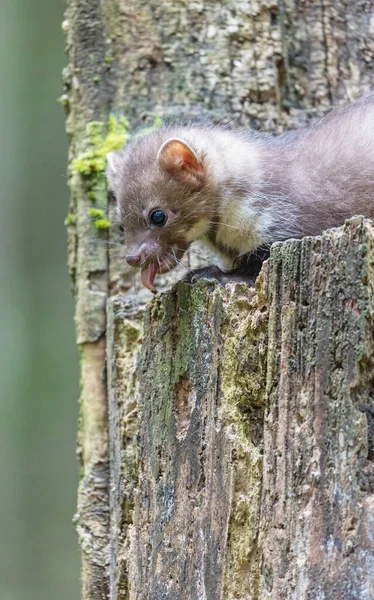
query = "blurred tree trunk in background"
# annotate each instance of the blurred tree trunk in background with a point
(176, 514)
(39, 557)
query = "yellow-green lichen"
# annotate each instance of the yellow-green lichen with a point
(102, 138)
(102, 223)
(96, 213)
(242, 384)
(70, 219)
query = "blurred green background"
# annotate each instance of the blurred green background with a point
(38, 367)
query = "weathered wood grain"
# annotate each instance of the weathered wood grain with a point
(254, 476)
(199, 467)
(317, 511)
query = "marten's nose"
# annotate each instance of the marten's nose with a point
(133, 260)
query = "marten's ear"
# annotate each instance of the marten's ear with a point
(113, 164)
(179, 160)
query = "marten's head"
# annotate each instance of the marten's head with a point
(165, 200)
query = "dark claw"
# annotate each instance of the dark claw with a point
(204, 272)
(218, 275)
(246, 272)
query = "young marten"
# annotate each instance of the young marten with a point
(237, 191)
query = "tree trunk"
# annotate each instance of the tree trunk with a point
(254, 469)
(237, 463)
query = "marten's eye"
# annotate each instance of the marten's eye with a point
(158, 217)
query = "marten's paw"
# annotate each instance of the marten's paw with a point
(216, 274)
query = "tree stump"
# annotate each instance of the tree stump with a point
(253, 472)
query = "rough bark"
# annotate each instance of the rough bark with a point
(193, 430)
(269, 65)
(317, 510)
(255, 472)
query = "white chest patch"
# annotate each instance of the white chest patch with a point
(242, 227)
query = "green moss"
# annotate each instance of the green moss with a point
(96, 78)
(96, 212)
(70, 219)
(109, 59)
(102, 223)
(102, 138)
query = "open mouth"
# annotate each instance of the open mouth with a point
(157, 265)
(149, 274)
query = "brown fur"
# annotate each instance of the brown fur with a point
(251, 189)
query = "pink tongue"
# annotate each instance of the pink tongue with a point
(148, 276)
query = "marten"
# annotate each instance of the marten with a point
(239, 191)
